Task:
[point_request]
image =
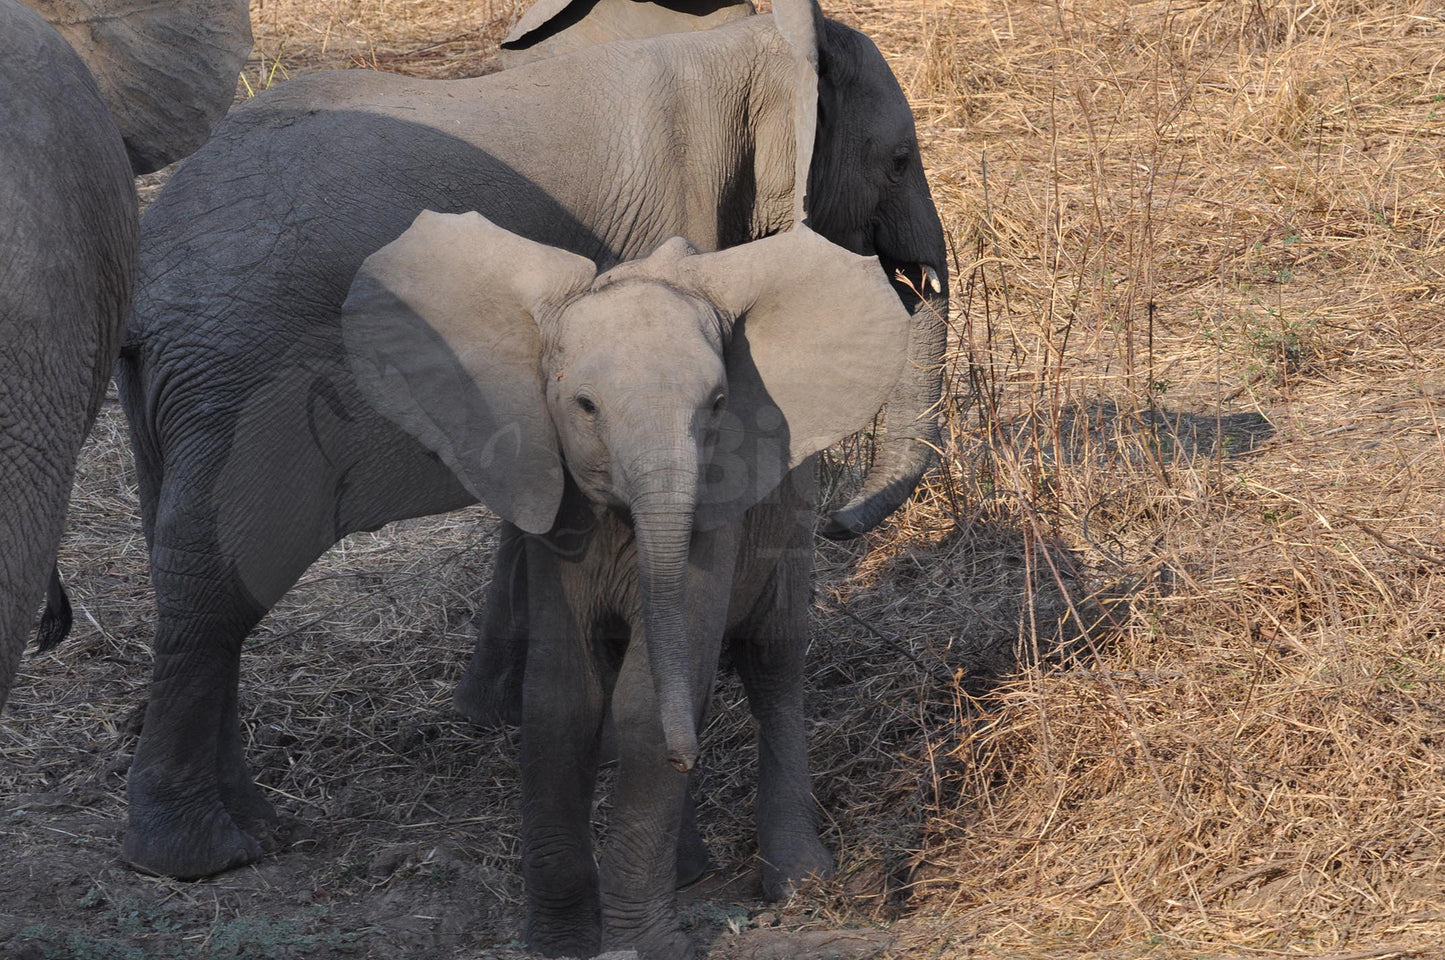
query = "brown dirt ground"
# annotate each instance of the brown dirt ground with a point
(1152, 668)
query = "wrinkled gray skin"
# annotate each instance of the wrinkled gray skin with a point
(650, 431)
(67, 255)
(255, 450)
(550, 27)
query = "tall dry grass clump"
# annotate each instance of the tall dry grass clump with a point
(1200, 373)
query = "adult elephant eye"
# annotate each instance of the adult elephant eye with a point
(901, 156)
(587, 406)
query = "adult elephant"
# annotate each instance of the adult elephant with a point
(255, 448)
(96, 94)
(550, 27)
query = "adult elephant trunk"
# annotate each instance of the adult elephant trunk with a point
(663, 502)
(909, 243)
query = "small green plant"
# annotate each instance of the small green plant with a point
(1288, 345)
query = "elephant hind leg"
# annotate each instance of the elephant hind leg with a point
(693, 860)
(194, 809)
(180, 824)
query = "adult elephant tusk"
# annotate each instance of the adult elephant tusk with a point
(930, 280)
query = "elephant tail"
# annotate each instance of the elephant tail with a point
(130, 386)
(55, 622)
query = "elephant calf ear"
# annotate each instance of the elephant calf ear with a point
(818, 341)
(439, 325)
(166, 68)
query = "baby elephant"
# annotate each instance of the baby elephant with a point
(651, 431)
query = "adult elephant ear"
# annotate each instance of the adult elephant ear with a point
(550, 27)
(166, 68)
(441, 329)
(815, 340)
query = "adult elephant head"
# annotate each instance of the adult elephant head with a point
(865, 184)
(167, 71)
(551, 27)
(859, 181)
(103, 91)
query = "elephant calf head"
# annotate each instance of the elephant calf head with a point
(679, 389)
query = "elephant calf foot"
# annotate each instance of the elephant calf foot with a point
(490, 702)
(663, 941)
(552, 937)
(189, 841)
(786, 866)
(693, 861)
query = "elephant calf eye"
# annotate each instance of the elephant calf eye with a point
(718, 404)
(587, 406)
(900, 160)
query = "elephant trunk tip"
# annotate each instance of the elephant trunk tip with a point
(682, 762)
(870, 507)
(680, 734)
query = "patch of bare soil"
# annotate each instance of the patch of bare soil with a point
(400, 824)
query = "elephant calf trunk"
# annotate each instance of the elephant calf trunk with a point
(680, 734)
(662, 515)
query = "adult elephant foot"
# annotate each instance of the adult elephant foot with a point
(251, 812)
(788, 864)
(201, 828)
(188, 838)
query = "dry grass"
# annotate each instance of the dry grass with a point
(1154, 667)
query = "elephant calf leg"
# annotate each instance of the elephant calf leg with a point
(693, 860)
(772, 671)
(490, 693)
(639, 899)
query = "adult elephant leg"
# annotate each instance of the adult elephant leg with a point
(562, 706)
(243, 799)
(490, 693)
(179, 823)
(232, 534)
